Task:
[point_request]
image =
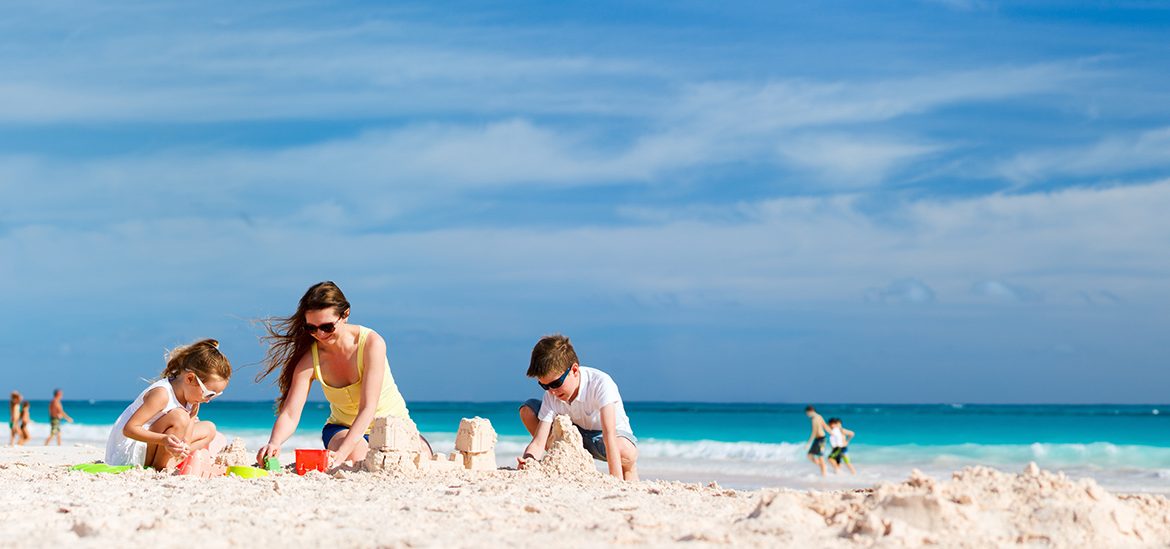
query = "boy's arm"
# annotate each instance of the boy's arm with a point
(613, 453)
(848, 434)
(536, 447)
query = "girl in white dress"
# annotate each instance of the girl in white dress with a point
(162, 426)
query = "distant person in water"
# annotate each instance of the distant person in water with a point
(14, 418)
(56, 414)
(816, 447)
(839, 438)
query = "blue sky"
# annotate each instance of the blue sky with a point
(917, 201)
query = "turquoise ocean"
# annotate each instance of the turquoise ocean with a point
(1124, 447)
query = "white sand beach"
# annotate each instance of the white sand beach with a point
(46, 505)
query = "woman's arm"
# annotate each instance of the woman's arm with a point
(290, 411)
(372, 379)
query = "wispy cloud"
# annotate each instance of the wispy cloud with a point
(906, 290)
(1004, 291)
(1109, 157)
(845, 162)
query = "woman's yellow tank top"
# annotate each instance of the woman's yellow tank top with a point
(344, 401)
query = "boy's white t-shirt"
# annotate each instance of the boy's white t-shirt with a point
(597, 390)
(836, 437)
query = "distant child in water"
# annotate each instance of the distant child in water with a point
(839, 438)
(589, 397)
(162, 426)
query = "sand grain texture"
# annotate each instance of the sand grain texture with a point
(44, 505)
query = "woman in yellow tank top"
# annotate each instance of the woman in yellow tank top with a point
(349, 361)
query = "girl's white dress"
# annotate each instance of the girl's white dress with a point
(121, 450)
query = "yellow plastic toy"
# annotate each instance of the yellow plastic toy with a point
(244, 471)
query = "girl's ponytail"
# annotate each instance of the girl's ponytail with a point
(202, 357)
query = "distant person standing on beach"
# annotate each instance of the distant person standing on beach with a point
(25, 421)
(14, 418)
(816, 447)
(349, 361)
(56, 414)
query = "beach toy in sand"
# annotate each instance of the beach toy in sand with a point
(312, 460)
(96, 468)
(272, 464)
(244, 471)
(197, 464)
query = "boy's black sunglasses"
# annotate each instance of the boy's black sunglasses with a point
(556, 383)
(327, 327)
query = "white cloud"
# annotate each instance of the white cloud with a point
(844, 161)
(1110, 156)
(760, 255)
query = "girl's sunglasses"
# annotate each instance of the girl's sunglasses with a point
(556, 383)
(327, 327)
(208, 394)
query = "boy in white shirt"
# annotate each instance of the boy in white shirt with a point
(589, 397)
(839, 438)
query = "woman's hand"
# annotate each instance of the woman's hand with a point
(267, 451)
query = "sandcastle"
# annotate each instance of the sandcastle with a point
(394, 446)
(566, 455)
(476, 441)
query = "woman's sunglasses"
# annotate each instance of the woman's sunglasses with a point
(556, 383)
(327, 327)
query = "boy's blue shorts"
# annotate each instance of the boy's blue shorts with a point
(330, 430)
(594, 441)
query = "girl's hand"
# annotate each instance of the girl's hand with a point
(267, 451)
(177, 446)
(332, 460)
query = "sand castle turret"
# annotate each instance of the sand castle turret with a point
(394, 445)
(476, 441)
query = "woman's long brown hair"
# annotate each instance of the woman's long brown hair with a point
(287, 339)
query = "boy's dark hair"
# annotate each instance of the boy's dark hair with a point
(834, 420)
(809, 408)
(553, 354)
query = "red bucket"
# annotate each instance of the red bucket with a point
(312, 460)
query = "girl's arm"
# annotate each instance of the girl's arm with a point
(372, 378)
(290, 411)
(152, 403)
